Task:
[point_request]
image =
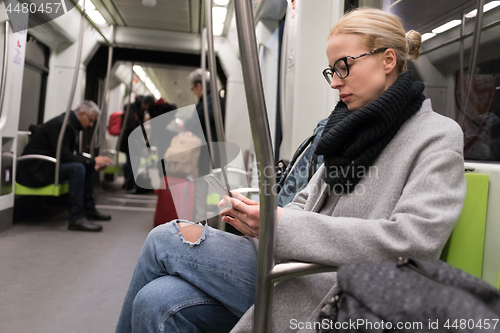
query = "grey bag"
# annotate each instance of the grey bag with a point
(410, 296)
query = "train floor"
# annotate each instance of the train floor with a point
(55, 280)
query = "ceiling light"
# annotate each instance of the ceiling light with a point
(427, 36)
(149, 3)
(471, 14)
(488, 6)
(96, 17)
(147, 81)
(88, 5)
(219, 14)
(140, 72)
(218, 29)
(221, 2)
(157, 94)
(446, 26)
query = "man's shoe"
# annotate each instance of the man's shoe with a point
(97, 216)
(83, 225)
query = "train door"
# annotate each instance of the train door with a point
(35, 75)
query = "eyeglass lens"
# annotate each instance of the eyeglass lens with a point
(340, 68)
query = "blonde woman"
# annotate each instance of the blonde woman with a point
(392, 185)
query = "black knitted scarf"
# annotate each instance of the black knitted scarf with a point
(351, 141)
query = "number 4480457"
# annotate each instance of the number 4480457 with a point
(471, 323)
(32, 8)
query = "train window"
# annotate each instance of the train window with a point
(460, 66)
(35, 76)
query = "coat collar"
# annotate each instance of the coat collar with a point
(73, 120)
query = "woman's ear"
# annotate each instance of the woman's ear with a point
(390, 60)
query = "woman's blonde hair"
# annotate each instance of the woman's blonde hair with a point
(379, 29)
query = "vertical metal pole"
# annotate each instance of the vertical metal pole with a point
(461, 71)
(219, 124)
(104, 104)
(478, 24)
(208, 129)
(264, 152)
(4, 66)
(71, 96)
(284, 67)
(125, 116)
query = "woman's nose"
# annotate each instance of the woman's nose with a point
(336, 82)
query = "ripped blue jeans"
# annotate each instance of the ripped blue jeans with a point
(179, 286)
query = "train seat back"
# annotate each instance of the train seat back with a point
(465, 247)
(50, 190)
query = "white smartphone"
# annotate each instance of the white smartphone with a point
(217, 185)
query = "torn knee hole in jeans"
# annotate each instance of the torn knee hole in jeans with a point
(192, 234)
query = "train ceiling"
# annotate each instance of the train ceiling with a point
(170, 15)
(424, 15)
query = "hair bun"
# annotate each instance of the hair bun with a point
(414, 40)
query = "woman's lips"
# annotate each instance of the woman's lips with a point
(345, 97)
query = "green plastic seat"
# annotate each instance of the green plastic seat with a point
(465, 247)
(50, 190)
(113, 169)
(498, 280)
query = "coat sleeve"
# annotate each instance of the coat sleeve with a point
(419, 225)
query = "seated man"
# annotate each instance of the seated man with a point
(75, 168)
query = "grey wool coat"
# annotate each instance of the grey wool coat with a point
(406, 205)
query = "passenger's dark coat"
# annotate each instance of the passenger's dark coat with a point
(134, 119)
(188, 124)
(37, 173)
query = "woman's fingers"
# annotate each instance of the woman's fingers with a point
(241, 226)
(226, 200)
(243, 198)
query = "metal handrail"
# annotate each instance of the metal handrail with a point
(219, 123)
(268, 273)
(111, 151)
(208, 129)
(478, 23)
(230, 169)
(4, 65)
(37, 157)
(262, 141)
(283, 68)
(247, 190)
(104, 104)
(71, 96)
(291, 270)
(125, 116)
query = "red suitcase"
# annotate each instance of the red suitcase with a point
(175, 202)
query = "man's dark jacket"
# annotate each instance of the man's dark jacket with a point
(190, 125)
(37, 173)
(134, 119)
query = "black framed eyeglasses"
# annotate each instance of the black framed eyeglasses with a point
(341, 67)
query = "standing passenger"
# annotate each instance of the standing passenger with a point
(392, 185)
(196, 78)
(135, 118)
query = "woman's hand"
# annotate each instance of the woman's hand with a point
(243, 213)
